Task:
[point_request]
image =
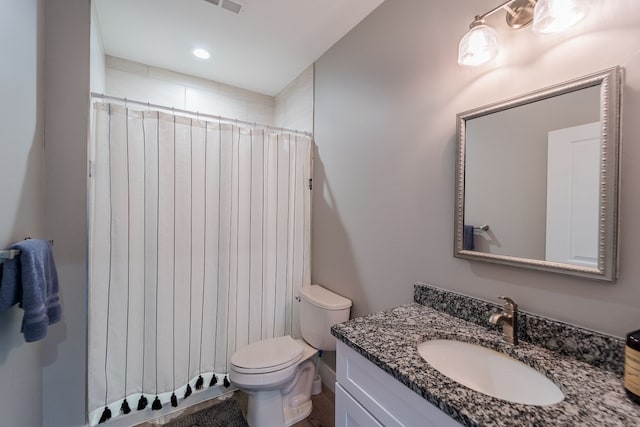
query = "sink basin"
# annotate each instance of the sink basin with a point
(490, 372)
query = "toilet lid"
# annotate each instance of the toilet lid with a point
(267, 355)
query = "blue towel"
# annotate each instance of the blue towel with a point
(467, 238)
(31, 279)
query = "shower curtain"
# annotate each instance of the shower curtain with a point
(199, 243)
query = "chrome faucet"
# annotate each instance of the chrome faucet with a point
(508, 318)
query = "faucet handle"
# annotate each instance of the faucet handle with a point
(509, 303)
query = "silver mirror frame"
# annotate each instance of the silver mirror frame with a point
(610, 82)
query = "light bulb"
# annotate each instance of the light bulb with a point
(478, 46)
(201, 53)
(552, 16)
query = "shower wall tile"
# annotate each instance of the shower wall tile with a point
(294, 104)
(183, 79)
(120, 64)
(209, 102)
(237, 93)
(165, 87)
(260, 113)
(134, 86)
(291, 108)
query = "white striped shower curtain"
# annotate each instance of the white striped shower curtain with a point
(199, 243)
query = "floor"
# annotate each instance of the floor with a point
(322, 414)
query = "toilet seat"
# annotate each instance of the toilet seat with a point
(266, 356)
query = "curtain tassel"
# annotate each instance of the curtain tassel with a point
(142, 403)
(199, 382)
(125, 409)
(226, 382)
(187, 392)
(156, 404)
(214, 380)
(174, 400)
(106, 414)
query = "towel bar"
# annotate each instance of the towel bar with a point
(8, 254)
(484, 227)
(12, 253)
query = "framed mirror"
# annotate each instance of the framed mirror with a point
(537, 179)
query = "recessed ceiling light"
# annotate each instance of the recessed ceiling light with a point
(201, 53)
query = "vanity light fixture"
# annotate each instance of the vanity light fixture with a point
(201, 53)
(552, 16)
(480, 44)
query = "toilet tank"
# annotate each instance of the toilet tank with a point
(320, 310)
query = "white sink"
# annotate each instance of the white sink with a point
(490, 372)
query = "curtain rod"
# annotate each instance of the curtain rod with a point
(197, 114)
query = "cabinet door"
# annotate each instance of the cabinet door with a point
(390, 402)
(349, 413)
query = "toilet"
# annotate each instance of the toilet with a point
(278, 373)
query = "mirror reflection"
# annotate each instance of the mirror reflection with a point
(537, 179)
(532, 174)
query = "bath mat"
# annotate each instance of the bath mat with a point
(225, 414)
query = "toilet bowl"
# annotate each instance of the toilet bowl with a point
(278, 373)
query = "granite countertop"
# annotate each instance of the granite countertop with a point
(593, 396)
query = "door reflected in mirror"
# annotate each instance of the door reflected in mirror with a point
(541, 171)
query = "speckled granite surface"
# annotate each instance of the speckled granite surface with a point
(389, 339)
(600, 350)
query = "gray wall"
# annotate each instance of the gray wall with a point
(65, 190)
(386, 99)
(21, 157)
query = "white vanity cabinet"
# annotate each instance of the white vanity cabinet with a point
(367, 396)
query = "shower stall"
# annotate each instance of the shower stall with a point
(199, 243)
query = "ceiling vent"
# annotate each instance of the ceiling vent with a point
(232, 6)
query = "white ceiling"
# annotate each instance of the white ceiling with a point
(262, 49)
